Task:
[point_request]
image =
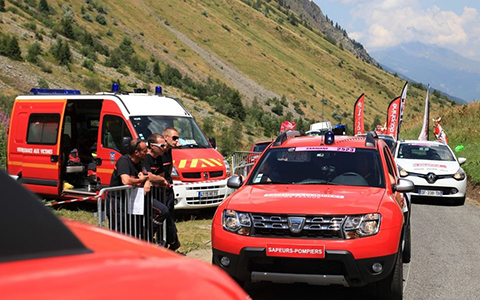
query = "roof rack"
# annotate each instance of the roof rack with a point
(286, 135)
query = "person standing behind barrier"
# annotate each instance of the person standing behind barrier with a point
(153, 164)
(129, 170)
(171, 137)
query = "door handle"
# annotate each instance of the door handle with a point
(54, 158)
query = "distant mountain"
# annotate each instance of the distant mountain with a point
(444, 69)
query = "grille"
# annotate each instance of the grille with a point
(315, 226)
(296, 265)
(192, 175)
(216, 174)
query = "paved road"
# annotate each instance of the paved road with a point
(445, 260)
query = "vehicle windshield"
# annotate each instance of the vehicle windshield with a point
(260, 147)
(190, 134)
(319, 165)
(425, 151)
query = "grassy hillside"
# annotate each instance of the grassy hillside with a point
(460, 123)
(281, 68)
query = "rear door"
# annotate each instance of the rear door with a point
(35, 144)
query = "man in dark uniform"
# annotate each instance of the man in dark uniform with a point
(153, 164)
(128, 170)
(171, 137)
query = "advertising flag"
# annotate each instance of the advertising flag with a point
(402, 106)
(358, 125)
(424, 134)
(393, 117)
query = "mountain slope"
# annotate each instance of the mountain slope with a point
(287, 69)
(445, 70)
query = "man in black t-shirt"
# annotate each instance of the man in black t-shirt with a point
(171, 137)
(128, 170)
(154, 166)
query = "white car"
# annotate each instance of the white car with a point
(433, 168)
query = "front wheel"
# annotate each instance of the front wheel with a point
(391, 288)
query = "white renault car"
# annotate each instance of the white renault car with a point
(433, 168)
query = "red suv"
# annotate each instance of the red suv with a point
(320, 210)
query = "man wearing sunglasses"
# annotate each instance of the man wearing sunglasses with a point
(154, 166)
(171, 137)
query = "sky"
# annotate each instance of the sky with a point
(381, 24)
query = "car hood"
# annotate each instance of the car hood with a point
(420, 166)
(307, 199)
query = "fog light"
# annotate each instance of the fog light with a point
(377, 267)
(453, 191)
(225, 261)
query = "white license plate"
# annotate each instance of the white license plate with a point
(430, 193)
(203, 194)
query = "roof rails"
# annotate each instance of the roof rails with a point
(286, 135)
(370, 139)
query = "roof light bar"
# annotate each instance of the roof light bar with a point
(37, 91)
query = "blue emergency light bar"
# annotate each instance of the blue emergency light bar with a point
(37, 91)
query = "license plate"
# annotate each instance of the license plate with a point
(203, 194)
(303, 251)
(430, 193)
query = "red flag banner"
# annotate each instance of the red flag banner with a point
(424, 134)
(402, 107)
(358, 125)
(393, 117)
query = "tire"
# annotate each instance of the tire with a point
(407, 246)
(391, 288)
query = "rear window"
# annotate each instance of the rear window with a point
(43, 129)
(425, 152)
(319, 165)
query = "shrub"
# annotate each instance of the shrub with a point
(100, 18)
(33, 51)
(89, 64)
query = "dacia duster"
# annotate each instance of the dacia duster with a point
(323, 210)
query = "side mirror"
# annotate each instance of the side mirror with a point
(98, 161)
(213, 142)
(404, 186)
(462, 160)
(125, 143)
(234, 182)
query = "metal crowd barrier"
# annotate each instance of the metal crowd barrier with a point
(243, 161)
(128, 210)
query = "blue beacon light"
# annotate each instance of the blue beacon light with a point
(115, 87)
(329, 137)
(158, 90)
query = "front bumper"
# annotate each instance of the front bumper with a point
(449, 187)
(195, 195)
(337, 268)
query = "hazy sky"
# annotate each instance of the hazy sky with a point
(379, 24)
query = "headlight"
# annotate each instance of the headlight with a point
(237, 222)
(174, 172)
(227, 167)
(460, 175)
(402, 171)
(361, 225)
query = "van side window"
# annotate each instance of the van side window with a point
(114, 129)
(43, 129)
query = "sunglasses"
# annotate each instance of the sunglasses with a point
(175, 138)
(158, 145)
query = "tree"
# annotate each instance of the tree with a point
(2, 5)
(43, 7)
(9, 47)
(61, 52)
(33, 51)
(156, 70)
(67, 28)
